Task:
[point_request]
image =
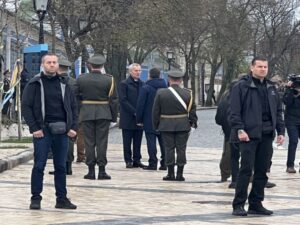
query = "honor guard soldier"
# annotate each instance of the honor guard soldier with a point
(174, 114)
(98, 97)
(63, 68)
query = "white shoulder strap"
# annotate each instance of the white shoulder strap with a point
(178, 97)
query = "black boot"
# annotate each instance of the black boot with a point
(69, 168)
(179, 176)
(170, 176)
(91, 174)
(64, 203)
(102, 174)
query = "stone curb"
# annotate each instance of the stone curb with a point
(15, 160)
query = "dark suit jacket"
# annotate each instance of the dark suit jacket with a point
(145, 103)
(166, 103)
(128, 96)
(96, 87)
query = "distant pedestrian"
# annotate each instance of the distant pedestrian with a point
(144, 118)
(50, 110)
(98, 109)
(255, 114)
(174, 114)
(132, 134)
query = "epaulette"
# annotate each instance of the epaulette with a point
(188, 89)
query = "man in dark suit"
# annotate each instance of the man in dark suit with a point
(174, 114)
(128, 94)
(144, 118)
(98, 97)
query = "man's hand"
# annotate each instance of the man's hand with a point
(72, 133)
(280, 139)
(243, 136)
(38, 134)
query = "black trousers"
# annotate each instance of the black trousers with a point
(235, 161)
(132, 137)
(255, 155)
(175, 141)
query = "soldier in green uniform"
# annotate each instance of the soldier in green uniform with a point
(174, 114)
(97, 94)
(64, 66)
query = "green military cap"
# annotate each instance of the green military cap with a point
(175, 73)
(64, 62)
(97, 60)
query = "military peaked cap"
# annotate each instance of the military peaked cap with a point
(64, 62)
(175, 73)
(97, 60)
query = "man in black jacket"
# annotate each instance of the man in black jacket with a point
(49, 109)
(255, 114)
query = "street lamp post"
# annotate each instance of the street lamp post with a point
(170, 58)
(40, 6)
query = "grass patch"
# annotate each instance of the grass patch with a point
(16, 141)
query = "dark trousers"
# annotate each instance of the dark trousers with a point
(70, 157)
(294, 134)
(80, 143)
(175, 141)
(59, 145)
(133, 137)
(255, 155)
(235, 161)
(152, 149)
(95, 141)
(225, 162)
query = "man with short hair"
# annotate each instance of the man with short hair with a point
(129, 90)
(144, 118)
(97, 94)
(255, 114)
(49, 109)
(174, 114)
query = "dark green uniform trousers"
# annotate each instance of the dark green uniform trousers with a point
(95, 141)
(175, 141)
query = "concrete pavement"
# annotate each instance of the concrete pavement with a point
(135, 196)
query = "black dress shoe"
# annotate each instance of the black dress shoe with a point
(239, 211)
(259, 210)
(270, 185)
(150, 168)
(138, 165)
(129, 165)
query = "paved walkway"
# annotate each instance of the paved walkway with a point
(135, 196)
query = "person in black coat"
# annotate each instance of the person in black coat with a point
(144, 118)
(128, 92)
(229, 164)
(291, 99)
